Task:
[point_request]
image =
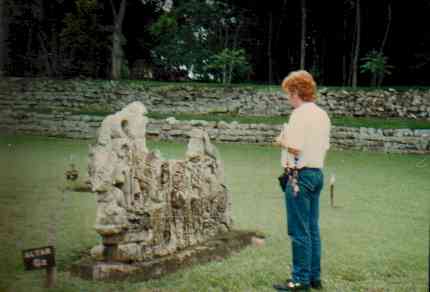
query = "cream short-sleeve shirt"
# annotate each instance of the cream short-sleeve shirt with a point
(285, 156)
(308, 130)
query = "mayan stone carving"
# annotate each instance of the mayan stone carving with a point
(147, 206)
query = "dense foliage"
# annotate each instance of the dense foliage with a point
(217, 40)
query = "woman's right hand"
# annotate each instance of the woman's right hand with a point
(277, 141)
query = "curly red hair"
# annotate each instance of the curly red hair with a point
(301, 83)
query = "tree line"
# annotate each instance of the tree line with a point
(342, 42)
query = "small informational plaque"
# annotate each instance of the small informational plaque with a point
(39, 258)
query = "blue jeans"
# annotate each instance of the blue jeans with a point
(303, 225)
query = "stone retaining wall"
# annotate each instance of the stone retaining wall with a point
(60, 124)
(76, 108)
(80, 96)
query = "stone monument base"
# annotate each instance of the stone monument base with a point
(216, 248)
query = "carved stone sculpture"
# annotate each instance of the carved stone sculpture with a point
(147, 206)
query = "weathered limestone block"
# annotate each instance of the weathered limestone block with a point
(147, 206)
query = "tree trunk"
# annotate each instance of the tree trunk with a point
(303, 35)
(28, 53)
(43, 52)
(344, 55)
(373, 80)
(227, 36)
(380, 77)
(357, 44)
(269, 49)
(351, 62)
(117, 55)
(387, 29)
(230, 72)
(278, 37)
(117, 52)
(323, 78)
(3, 37)
(46, 54)
(344, 71)
(236, 35)
(315, 64)
(224, 74)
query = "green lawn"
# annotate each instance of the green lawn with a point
(250, 85)
(376, 238)
(368, 122)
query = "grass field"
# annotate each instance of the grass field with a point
(252, 86)
(356, 122)
(375, 240)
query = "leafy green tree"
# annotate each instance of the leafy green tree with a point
(377, 65)
(32, 38)
(228, 62)
(118, 7)
(192, 33)
(84, 43)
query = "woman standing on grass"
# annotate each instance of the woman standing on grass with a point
(305, 141)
